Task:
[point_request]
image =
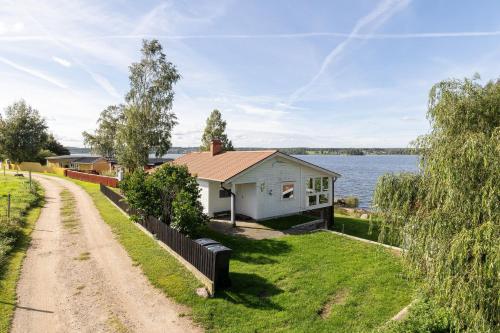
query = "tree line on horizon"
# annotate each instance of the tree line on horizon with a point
(290, 150)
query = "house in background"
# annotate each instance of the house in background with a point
(154, 162)
(90, 164)
(258, 184)
(62, 161)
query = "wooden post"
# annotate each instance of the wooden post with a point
(333, 204)
(233, 205)
(324, 217)
(31, 188)
(8, 206)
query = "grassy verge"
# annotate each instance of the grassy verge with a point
(317, 282)
(69, 218)
(26, 210)
(356, 227)
(284, 223)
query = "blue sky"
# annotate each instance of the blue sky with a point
(283, 73)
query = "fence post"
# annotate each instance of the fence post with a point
(31, 188)
(8, 206)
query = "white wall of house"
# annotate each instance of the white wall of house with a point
(259, 190)
(246, 199)
(204, 193)
(209, 197)
(218, 204)
(269, 178)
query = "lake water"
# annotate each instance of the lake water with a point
(359, 173)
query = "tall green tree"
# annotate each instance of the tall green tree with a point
(103, 140)
(148, 117)
(215, 129)
(54, 146)
(23, 133)
(448, 216)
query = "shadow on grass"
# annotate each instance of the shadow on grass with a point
(252, 291)
(286, 222)
(251, 250)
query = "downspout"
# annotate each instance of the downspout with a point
(334, 179)
(233, 204)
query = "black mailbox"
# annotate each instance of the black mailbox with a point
(205, 241)
(222, 257)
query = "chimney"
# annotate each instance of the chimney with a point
(215, 147)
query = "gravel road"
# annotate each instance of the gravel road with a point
(81, 280)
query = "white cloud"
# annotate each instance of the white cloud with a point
(18, 27)
(260, 111)
(105, 84)
(61, 61)
(409, 119)
(33, 72)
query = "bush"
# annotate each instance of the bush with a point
(351, 202)
(170, 194)
(186, 217)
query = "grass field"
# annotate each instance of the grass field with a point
(318, 282)
(25, 211)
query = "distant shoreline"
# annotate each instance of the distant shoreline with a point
(293, 151)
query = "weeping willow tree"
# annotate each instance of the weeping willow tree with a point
(448, 215)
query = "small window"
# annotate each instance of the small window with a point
(287, 191)
(325, 183)
(323, 199)
(317, 184)
(312, 200)
(224, 193)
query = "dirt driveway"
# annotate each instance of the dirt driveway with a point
(82, 280)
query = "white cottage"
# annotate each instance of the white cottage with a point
(258, 184)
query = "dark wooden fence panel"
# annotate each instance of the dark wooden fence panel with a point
(197, 255)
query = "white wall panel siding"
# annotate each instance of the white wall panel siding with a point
(269, 177)
(246, 199)
(205, 195)
(217, 204)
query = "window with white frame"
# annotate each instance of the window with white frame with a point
(287, 191)
(317, 191)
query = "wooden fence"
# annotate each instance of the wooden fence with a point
(213, 265)
(88, 177)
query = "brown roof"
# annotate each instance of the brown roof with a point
(223, 166)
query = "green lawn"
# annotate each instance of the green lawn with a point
(356, 227)
(25, 211)
(284, 223)
(318, 282)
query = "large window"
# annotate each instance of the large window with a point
(317, 191)
(287, 190)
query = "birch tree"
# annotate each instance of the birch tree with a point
(148, 117)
